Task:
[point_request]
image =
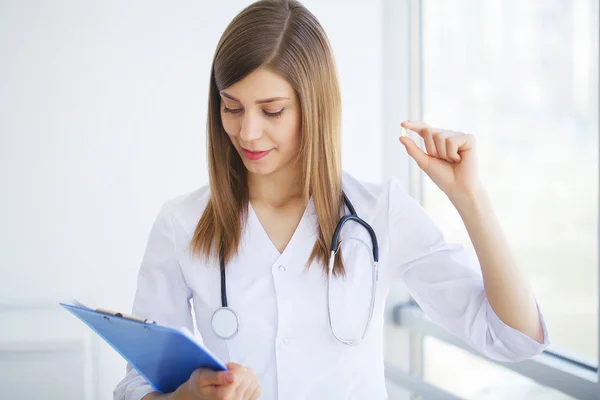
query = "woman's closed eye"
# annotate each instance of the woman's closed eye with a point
(231, 110)
(267, 113)
(274, 114)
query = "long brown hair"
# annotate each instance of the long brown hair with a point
(286, 38)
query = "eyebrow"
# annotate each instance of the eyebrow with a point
(269, 100)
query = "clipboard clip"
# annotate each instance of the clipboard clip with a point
(126, 316)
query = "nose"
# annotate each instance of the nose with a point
(251, 128)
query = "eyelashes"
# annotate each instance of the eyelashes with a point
(268, 114)
(274, 115)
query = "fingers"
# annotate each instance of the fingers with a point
(416, 126)
(253, 389)
(256, 394)
(205, 377)
(244, 388)
(425, 132)
(452, 149)
(447, 145)
(233, 366)
(243, 384)
(457, 143)
(248, 385)
(441, 143)
(415, 152)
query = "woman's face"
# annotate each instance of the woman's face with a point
(261, 116)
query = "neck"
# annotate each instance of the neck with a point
(277, 188)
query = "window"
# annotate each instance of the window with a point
(522, 76)
(476, 379)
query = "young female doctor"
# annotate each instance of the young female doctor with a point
(253, 249)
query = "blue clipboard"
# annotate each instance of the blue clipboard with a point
(165, 357)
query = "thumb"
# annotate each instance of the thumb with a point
(415, 152)
(206, 377)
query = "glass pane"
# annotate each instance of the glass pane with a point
(522, 76)
(471, 377)
(396, 392)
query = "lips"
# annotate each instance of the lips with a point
(255, 155)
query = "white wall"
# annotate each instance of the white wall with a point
(102, 119)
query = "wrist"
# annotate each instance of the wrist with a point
(468, 197)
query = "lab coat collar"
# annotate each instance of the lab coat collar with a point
(300, 244)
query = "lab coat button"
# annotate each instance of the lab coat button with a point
(282, 268)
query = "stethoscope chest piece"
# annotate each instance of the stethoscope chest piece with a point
(225, 323)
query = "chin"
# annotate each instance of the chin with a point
(258, 169)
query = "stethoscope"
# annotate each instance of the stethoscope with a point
(226, 322)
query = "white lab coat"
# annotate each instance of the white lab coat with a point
(284, 333)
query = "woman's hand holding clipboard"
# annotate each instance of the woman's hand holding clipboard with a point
(237, 383)
(176, 365)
